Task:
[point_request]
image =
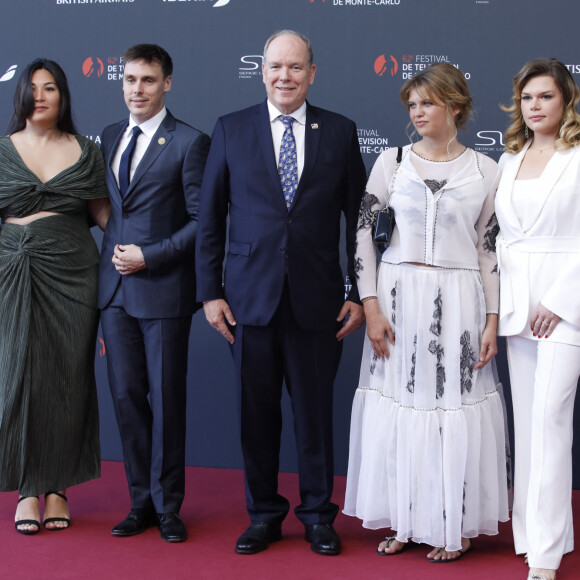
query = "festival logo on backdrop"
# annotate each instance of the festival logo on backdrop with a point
(93, 66)
(406, 65)
(382, 64)
(371, 142)
(9, 74)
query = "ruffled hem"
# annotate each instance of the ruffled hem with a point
(431, 475)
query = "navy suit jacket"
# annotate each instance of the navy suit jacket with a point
(159, 213)
(265, 239)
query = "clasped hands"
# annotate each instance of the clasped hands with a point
(128, 259)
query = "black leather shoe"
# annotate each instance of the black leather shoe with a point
(136, 522)
(258, 536)
(323, 538)
(172, 528)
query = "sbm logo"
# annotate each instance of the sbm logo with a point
(254, 61)
(490, 138)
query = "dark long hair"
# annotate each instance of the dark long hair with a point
(24, 99)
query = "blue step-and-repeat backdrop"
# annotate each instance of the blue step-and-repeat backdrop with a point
(364, 50)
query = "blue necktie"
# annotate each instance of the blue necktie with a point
(287, 166)
(125, 165)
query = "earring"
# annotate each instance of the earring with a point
(526, 133)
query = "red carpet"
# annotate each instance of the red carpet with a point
(214, 514)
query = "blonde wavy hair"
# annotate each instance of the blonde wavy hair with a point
(569, 132)
(444, 84)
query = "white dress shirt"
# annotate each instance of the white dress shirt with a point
(298, 128)
(148, 128)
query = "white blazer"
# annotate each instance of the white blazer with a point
(539, 261)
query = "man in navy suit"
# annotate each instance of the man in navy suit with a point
(155, 166)
(284, 172)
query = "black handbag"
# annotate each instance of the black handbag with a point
(384, 219)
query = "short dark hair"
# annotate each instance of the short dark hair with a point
(24, 99)
(150, 53)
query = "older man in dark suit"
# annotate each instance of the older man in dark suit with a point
(155, 165)
(284, 171)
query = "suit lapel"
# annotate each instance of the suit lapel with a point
(159, 142)
(509, 172)
(552, 172)
(111, 154)
(264, 131)
(312, 133)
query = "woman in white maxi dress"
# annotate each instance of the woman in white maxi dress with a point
(427, 444)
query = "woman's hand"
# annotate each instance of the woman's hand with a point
(377, 328)
(543, 322)
(488, 341)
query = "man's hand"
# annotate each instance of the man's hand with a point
(217, 312)
(355, 320)
(128, 259)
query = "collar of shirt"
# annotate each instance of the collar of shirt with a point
(299, 114)
(149, 128)
(298, 128)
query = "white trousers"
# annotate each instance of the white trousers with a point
(543, 378)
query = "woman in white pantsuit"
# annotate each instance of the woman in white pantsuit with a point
(538, 210)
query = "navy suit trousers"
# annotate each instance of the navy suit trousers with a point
(265, 357)
(147, 369)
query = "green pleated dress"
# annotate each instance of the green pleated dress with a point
(49, 434)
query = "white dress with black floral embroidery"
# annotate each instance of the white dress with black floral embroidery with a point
(428, 455)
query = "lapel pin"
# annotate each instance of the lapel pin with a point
(314, 126)
(161, 140)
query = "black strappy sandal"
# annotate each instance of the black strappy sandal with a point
(27, 522)
(52, 520)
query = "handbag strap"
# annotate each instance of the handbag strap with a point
(390, 188)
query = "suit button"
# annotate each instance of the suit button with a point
(283, 250)
(288, 220)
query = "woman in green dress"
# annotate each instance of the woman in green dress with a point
(51, 185)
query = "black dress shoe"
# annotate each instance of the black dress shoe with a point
(136, 522)
(258, 536)
(172, 528)
(323, 538)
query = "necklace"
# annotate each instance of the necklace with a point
(437, 160)
(540, 151)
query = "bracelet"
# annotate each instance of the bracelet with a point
(369, 298)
